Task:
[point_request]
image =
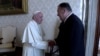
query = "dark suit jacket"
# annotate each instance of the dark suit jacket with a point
(71, 37)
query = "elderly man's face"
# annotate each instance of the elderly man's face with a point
(38, 17)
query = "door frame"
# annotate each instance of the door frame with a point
(97, 32)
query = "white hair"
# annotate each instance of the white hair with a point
(36, 12)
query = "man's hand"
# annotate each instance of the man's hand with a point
(51, 43)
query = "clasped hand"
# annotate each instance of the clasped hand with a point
(51, 43)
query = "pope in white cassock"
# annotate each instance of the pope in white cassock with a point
(33, 43)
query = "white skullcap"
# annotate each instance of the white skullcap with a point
(36, 12)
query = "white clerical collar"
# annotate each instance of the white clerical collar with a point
(68, 16)
(34, 21)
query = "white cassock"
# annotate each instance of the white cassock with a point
(33, 43)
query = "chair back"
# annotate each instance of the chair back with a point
(8, 34)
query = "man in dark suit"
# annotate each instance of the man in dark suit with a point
(70, 39)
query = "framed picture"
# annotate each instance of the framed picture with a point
(13, 7)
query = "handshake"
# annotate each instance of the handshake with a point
(51, 43)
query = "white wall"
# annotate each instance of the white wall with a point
(48, 7)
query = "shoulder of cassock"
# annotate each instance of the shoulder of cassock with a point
(31, 33)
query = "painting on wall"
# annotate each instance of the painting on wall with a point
(13, 7)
